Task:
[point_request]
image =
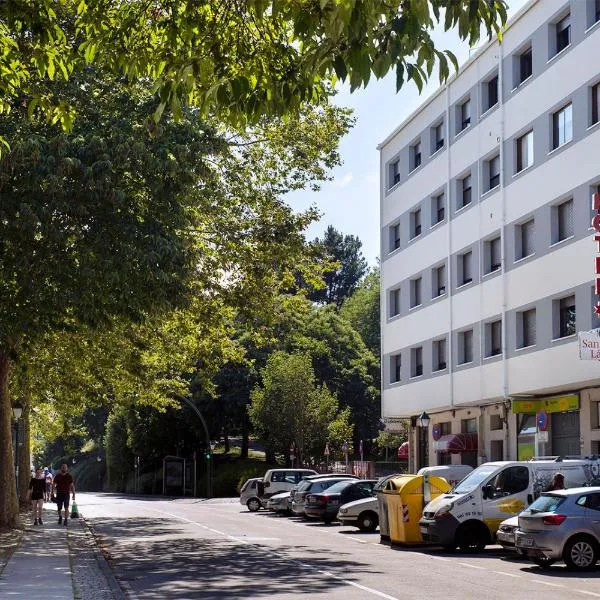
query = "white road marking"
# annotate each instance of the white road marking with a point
(547, 583)
(471, 566)
(440, 558)
(588, 593)
(364, 588)
(507, 574)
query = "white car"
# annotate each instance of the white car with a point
(506, 535)
(249, 494)
(280, 503)
(361, 513)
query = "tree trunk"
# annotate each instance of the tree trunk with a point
(9, 506)
(226, 437)
(25, 456)
(245, 439)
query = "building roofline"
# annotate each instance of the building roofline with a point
(519, 14)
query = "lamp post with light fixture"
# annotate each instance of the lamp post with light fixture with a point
(17, 411)
(423, 421)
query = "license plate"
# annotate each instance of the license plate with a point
(424, 529)
(525, 542)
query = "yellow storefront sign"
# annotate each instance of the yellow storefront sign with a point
(553, 404)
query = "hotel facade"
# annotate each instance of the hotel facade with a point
(488, 257)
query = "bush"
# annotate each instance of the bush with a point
(229, 476)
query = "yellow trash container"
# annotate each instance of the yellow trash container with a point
(382, 507)
(404, 498)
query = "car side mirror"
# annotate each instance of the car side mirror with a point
(486, 492)
(267, 483)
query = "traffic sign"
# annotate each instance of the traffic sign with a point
(542, 420)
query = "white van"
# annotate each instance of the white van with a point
(276, 481)
(364, 513)
(469, 516)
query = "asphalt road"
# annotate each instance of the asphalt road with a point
(189, 549)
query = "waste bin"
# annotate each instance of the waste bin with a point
(382, 510)
(403, 498)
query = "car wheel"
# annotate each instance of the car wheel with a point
(253, 504)
(368, 521)
(581, 552)
(328, 520)
(471, 538)
(543, 561)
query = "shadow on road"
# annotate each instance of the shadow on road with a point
(160, 562)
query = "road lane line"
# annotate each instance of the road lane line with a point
(471, 566)
(507, 574)
(364, 588)
(547, 583)
(588, 593)
(439, 558)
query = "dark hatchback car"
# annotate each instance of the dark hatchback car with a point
(325, 505)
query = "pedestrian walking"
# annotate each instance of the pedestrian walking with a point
(557, 483)
(49, 479)
(37, 489)
(64, 486)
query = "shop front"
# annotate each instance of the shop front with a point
(548, 426)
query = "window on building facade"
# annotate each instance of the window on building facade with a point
(417, 362)
(595, 112)
(494, 172)
(438, 209)
(527, 335)
(468, 426)
(394, 173)
(465, 350)
(438, 137)
(465, 268)
(492, 93)
(395, 302)
(465, 191)
(415, 292)
(415, 222)
(525, 66)
(525, 151)
(563, 33)
(495, 423)
(416, 155)
(465, 114)
(494, 341)
(394, 237)
(395, 368)
(562, 126)
(439, 355)
(493, 259)
(596, 11)
(566, 316)
(525, 239)
(439, 281)
(562, 225)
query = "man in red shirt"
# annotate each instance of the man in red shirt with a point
(64, 485)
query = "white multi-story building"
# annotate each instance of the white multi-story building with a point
(487, 251)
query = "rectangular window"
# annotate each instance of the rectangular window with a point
(494, 342)
(465, 266)
(415, 292)
(439, 355)
(465, 114)
(492, 92)
(394, 173)
(416, 223)
(566, 316)
(525, 65)
(394, 237)
(417, 362)
(416, 155)
(466, 347)
(494, 255)
(495, 425)
(465, 191)
(563, 226)
(596, 11)
(395, 368)
(438, 137)
(439, 281)
(595, 103)
(563, 33)
(468, 426)
(525, 151)
(528, 328)
(494, 166)
(525, 234)
(395, 302)
(562, 126)
(438, 211)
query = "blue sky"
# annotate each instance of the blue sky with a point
(351, 201)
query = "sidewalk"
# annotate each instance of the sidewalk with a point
(55, 562)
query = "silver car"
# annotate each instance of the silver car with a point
(562, 525)
(280, 503)
(507, 533)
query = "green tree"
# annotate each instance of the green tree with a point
(291, 407)
(238, 60)
(363, 311)
(349, 267)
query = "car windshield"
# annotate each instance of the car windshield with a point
(473, 480)
(546, 504)
(303, 485)
(336, 488)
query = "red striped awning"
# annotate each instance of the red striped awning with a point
(403, 451)
(456, 443)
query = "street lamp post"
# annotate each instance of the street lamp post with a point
(17, 411)
(423, 422)
(345, 451)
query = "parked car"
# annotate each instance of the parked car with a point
(507, 533)
(280, 503)
(249, 494)
(314, 485)
(324, 505)
(276, 481)
(562, 525)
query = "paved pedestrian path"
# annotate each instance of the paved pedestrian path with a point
(40, 567)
